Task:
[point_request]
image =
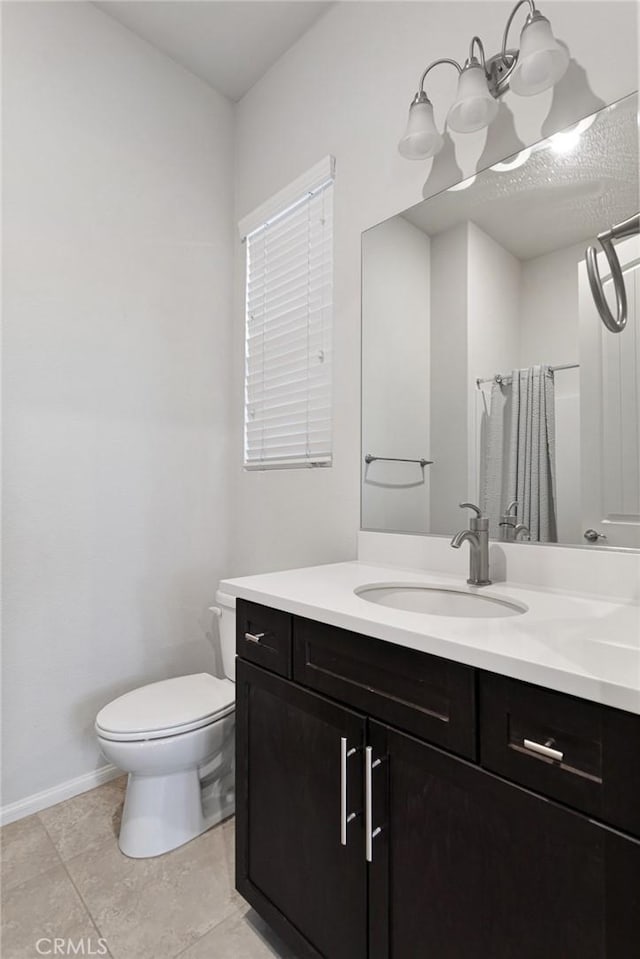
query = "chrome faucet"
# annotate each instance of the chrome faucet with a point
(521, 531)
(510, 528)
(478, 538)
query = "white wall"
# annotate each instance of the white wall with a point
(117, 245)
(344, 89)
(474, 334)
(449, 353)
(550, 324)
(494, 277)
(395, 375)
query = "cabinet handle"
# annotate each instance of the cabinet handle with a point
(345, 817)
(544, 749)
(370, 832)
(254, 637)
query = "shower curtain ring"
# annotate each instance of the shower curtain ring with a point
(620, 231)
(615, 324)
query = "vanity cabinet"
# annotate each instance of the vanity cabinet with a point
(431, 697)
(470, 867)
(291, 865)
(367, 828)
(597, 751)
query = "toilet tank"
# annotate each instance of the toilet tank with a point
(226, 610)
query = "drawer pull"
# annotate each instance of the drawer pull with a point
(254, 637)
(543, 749)
(345, 816)
(370, 833)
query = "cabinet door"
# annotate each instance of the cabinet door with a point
(291, 861)
(468, 866)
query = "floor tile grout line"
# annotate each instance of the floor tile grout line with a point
(11, 889)
(63, 863)
(43, 823)
(45, 871)
(60, 865)
(237, 910)
(51, 840)
(234, 910)
(94, 922)
(90, 849)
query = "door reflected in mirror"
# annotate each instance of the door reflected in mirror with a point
(483, 352)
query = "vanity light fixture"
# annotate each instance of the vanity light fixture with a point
(537, 65)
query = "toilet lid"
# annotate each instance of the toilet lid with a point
(167, 708)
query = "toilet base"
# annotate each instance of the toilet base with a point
(163, 812)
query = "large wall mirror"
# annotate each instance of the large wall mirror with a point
(487, 373)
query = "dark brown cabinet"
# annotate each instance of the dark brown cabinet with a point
(426, 695)
(264, 637)
(362, 835)
(471, 867)
(597, 765)
(291, 864)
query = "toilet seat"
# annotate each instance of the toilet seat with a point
(167, 708)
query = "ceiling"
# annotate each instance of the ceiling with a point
(568, 189)
(229, 45)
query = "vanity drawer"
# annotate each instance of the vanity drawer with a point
(263, 636)
(430, 697)
(575, 751)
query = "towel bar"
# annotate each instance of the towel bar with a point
(369, 458)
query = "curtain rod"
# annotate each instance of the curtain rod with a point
(500, 377)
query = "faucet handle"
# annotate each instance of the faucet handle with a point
(477, 523)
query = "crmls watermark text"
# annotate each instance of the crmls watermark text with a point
(71, 947)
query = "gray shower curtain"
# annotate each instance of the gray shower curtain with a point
(519, 453)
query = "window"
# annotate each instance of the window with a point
(289, 300)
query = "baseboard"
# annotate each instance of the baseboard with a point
(50, 797)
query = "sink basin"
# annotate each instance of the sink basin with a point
(440, 600)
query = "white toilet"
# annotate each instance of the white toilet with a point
(175, 739)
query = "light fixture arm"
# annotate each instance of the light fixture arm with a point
(476, 41)
(505, 37)
(454, 63)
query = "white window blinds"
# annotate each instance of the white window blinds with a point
(288, 331)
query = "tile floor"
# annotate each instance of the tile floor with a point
(64, 877)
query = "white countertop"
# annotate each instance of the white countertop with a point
(587, 647)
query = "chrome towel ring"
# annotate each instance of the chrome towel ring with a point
(615, 324)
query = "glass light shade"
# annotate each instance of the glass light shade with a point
(421, 138)
(474, 107)
(542, 61)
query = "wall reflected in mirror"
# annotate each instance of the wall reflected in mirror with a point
(483, 352)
